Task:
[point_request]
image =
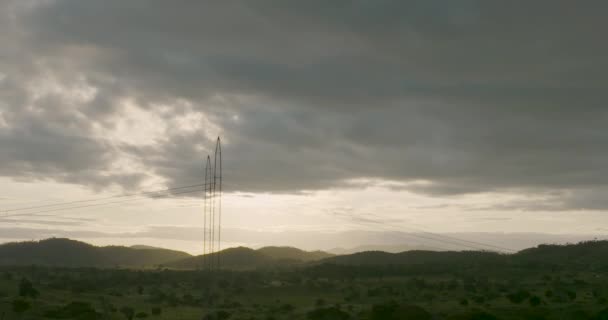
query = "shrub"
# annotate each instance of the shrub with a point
(26, 289)
(331, 313)
(128, 312)
(394, 311)
(474, 315)
(76, 309)
(535, 301)
(20, 306)
(518, 297)
(156, 311)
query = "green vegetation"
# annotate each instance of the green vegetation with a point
(547, 282)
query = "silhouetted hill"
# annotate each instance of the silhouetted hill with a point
(415, 257)
(291, 253)
(242, 258)
(143, 247)
(71, 253)
(585, 253)
(385, 248)
(589, 254)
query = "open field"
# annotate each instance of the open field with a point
(315, 292)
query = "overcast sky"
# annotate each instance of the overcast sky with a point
(336, 116)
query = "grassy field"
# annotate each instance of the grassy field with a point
(313, 293)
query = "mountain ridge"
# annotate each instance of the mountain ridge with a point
(62, 252)
(72, 253)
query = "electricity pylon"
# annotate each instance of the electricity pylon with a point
(212, 206)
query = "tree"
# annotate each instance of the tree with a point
(473, 315)
(74, 310)
(156, 311)
(320, 302)
(518, 297)
(128, 312)
(413, 312)
(394, 311)
(331, 313)
(218, 315)
(20, 306)
(26, 289)
(535, 301)
(602, 315)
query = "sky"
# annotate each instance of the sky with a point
(343, 123)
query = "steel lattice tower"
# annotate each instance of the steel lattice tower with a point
(212, 206)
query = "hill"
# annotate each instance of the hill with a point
(291, 253)
(583, 255)
(385, 248)
(372, 258)
(242, 258)
(71, 253)
(143, 247)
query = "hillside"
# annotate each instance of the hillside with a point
(385, 248)
(416, 258)
(242, 258)
(591, 253)
(291, 253)
(143, 247)
(583, 253)
(71, 253)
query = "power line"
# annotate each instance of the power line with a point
(477, 245)
(467, 241)
(104, 198)
(95, 204)
(447, 241)
(459, 239)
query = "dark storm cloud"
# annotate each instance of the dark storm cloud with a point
(473, 96)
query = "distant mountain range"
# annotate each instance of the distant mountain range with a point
(385, 248)
(588, 254)
(245, 258)
(70, 253)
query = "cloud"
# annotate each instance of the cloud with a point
(475, 97)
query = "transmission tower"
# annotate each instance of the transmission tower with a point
(217, 190)
(212, 206)
(207, 214)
